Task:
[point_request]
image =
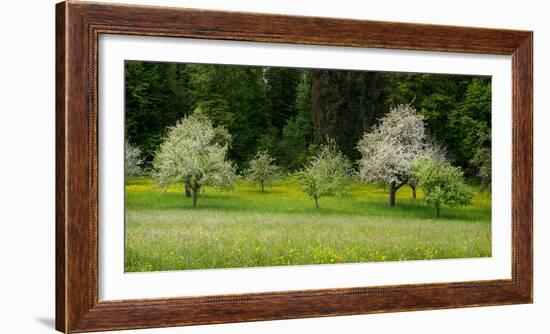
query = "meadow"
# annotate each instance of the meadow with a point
(244, 227)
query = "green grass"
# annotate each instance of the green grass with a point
(243, 227)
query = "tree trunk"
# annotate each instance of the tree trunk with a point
(187, 187)
(195, 191)
(330, 110)
(437, 212)
(316, 203)
(393, 190)
(413, 191)
(262, 183)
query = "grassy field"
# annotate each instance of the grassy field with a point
(246, 228)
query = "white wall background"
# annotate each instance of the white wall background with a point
(27, 144)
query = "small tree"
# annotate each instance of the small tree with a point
(390, 149)
(432, 150)
(442, 183)
(221, 137)
(482, 162)
(482, 159)
(132, 159)
(325, 173)
(262, 169)
(193, 153)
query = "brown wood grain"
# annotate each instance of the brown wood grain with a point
(60, 134)
(78, 26)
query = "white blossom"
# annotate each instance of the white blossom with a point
(389, 150)
(132, 159)
(193, 152)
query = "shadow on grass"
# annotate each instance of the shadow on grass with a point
(360, 201)
(406, 208)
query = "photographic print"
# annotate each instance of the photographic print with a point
(231, 166)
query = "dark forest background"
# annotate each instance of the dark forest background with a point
(289, 111)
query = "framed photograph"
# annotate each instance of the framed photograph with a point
(223, 167)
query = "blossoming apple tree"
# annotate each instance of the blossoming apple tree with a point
(390, 149)
(194, 153)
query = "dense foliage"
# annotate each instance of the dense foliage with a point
(194, 153)
(442, 184)
(456, 109)
(290, 112)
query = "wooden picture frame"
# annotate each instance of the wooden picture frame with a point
(78, 26)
